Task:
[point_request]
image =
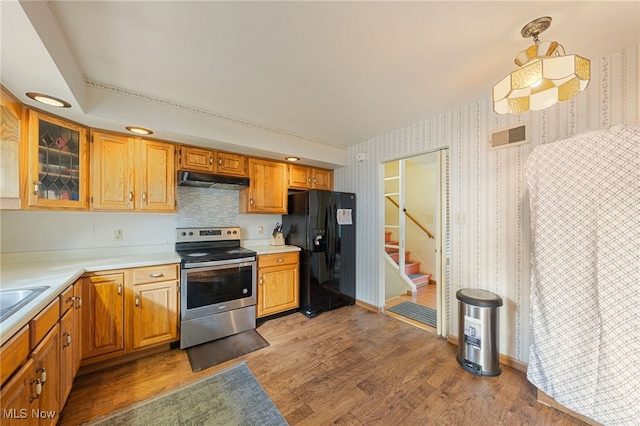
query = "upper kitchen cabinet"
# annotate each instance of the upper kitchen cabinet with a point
(303, 177)
(231, 164)
(267, 191)
(57, 163)
(156, 175)
(196, 159)
(112, 163)
(205, 160)
(322, 179)
(10, 130)
(132, 174)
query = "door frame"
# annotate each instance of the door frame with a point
(441, 235)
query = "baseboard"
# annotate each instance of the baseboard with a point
(503, 359)
(545, 399)
(100, 365)
(370, 307)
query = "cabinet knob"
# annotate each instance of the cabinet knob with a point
(130, 196)
(38, 390)
(219, 161)
(119, 289)
(67, 339)
(157, 275)
(144, 197)
(260, 280)
(137, 300)
(281, 260)
(78, 302)
(43, 375)
(36, 186)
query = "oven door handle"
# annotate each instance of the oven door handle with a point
(245, 261)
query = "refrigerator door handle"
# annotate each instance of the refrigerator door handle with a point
(331, 240)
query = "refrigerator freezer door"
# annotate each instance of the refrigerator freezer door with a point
(327, 269)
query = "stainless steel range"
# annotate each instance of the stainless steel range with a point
(218, 285)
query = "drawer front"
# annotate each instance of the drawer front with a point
(42, 323)
(155, 273)
(66, 300)
(13, 353)
(276, 259)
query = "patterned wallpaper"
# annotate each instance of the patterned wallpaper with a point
(491, 250)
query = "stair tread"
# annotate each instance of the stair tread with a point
(418, 275)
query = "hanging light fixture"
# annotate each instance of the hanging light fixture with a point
(546, 75)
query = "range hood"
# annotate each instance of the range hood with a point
(209, 180)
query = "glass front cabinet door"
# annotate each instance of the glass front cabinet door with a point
(57, 163)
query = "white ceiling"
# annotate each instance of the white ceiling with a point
(305, 78)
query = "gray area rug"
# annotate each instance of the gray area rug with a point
(416, 312)
(230, 397)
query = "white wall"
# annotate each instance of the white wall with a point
(88, 232)
(30, 231)
(491, 251)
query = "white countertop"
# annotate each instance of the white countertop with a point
(59, 274)
(267, 249)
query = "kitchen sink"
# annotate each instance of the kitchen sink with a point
(13, 299)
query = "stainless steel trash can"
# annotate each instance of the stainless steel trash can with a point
(478, 331)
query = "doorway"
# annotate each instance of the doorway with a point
(416, 247)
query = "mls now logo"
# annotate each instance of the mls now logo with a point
(23, 413)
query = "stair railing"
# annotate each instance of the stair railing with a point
(418, 224)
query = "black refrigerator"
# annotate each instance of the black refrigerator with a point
(323, 225)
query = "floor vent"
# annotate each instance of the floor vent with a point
(509, 136)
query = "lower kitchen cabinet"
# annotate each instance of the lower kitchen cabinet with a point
(87, 322)
(70, 338)
(154, 311)
(67, 343)
(128, 310)
(17, 397)
(103, 314)
(278, 283)
(45, 355)
(46, 363)
(77, 325)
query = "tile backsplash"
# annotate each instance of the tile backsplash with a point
(207, 207)
(203, 207)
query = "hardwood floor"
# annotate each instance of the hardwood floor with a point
(350, 366)
(426, 296)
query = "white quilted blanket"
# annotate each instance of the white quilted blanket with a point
(585, 283)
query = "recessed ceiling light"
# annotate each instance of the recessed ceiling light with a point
(291, 158)
(139, 130)
(48, 100)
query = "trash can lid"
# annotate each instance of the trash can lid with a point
(477, 297)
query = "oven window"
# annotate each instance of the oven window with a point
(207, 288)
